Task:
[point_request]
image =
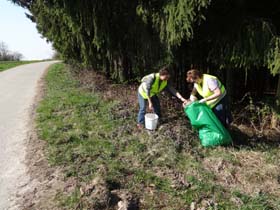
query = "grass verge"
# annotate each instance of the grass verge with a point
(95, 142)
(4, 65)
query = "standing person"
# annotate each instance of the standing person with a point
(150, 87)
(213, 94)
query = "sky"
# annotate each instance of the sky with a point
(20, 34)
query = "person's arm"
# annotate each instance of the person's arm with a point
(175, 93)
(148, 82)
(216, 93)
(150, 104)
(193, 94)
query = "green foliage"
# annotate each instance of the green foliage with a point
(4, 65)
(254, 43)
(174, 19)
(127, 39)
(274, 56)
(106, 35)
(88, 139)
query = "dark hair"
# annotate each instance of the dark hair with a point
(164, 71)
(193, 74)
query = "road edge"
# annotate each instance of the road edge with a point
(44, 180)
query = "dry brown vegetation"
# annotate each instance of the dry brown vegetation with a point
(166, 169)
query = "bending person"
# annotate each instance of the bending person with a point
(213, 94)
(150, 87)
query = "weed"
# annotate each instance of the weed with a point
(92, 136)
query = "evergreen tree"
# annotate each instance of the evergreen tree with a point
(127, 39)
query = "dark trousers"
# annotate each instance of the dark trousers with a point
(223, 112)
(142, 108)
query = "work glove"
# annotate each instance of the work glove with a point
(202, 101)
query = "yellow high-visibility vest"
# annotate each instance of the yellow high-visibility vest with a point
(205, 92)
(156, 88)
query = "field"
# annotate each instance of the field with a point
(89, 127)
(4, 65)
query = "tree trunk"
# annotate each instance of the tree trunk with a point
(229, 84)
(278, 92)
(276, 112)
(125, 68)
(107, 68)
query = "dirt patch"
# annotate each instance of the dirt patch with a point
(249, 173)
(45, 181)
(127, 95)
(97, 82)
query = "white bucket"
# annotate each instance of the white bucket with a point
(151, 121)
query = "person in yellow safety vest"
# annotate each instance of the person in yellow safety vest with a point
(213, 93)
(149, 89)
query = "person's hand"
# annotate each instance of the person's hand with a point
(187, 103)
(193, 98)
(202, 101)
(184, 100)
(151, 107)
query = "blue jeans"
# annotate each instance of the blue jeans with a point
(223, 112)
(142, 108)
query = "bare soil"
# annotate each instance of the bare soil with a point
(249, 172)
(46, 181)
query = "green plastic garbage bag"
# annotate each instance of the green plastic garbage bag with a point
(211, 131)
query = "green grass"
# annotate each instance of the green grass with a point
(88, 138)
(4, 65)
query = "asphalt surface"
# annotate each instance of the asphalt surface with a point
(18, 88)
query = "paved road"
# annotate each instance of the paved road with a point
(18, 88)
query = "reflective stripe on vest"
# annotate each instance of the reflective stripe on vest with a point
(205, 92)
(156, 88)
